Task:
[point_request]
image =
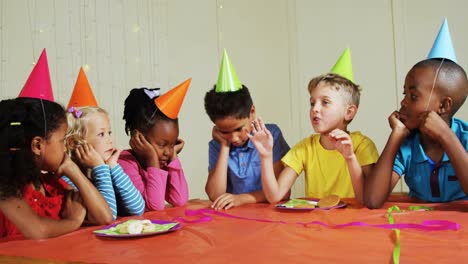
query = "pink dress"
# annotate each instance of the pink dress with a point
(48, 205)
(156, 185)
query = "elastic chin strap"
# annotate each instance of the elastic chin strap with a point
(434, 82)
(45, 131)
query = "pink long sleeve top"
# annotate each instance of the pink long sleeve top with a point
(156, 185)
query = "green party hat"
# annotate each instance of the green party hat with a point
(343, 66)
(227, 78)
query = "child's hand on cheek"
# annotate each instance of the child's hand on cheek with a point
(433, 125)
(144, 150)
(87, 156)
(219, 137)
(68, 168)
(178, 148)
(73, 208)
(342, 142)
(112, 160)
(396, 125)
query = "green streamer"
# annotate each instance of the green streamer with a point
(396, 249)
(420, 207)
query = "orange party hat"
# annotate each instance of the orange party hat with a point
(82, 93)
(171, 102)
(39, 84)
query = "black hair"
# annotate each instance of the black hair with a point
(447, 66)
(451, 79)
(21, 120)
(140, 112)
(228, 104)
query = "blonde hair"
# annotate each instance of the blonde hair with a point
(77, 125)
(349, 91)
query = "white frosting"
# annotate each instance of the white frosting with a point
(135, 228)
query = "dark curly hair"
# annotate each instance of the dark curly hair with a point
(21, 120)
(229, 104)
(141, 113)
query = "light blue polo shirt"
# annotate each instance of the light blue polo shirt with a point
(426, 179)
(244, 174)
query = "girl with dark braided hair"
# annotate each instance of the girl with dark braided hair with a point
(152, 162)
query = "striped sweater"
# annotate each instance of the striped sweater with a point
(117, 189)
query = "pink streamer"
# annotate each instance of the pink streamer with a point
(428, 225)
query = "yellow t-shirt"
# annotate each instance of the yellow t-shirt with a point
(326, 171)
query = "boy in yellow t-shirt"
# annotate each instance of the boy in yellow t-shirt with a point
(335, 161)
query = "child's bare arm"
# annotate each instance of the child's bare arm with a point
(216, 183)
(344, 145)
(274, 189)
(382, 178)
(434, 126)
(228, 200)
(99, 212)
(278, 167)
(33, 226)
(357, 177)
(277, 189)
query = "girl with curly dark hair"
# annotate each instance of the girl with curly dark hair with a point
(34, 202)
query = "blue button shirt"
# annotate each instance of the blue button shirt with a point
(427, 180)
(244, 173)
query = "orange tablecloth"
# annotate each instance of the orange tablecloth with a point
(227, 240)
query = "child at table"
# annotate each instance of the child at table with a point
(89, 141)
(427, 144)
(152, 162)
(34, 201)
(335, 161)
(234, 164)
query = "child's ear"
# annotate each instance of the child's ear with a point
(446, 105)
(72, 142)
(134, 132)
(252, 112)
(37, 145)
(350, 112)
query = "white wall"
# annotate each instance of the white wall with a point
(276, 46)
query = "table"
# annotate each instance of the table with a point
(229, 240)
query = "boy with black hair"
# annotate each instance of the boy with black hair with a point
(427, 144)
(234, 163)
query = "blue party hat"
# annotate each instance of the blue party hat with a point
(443, 47)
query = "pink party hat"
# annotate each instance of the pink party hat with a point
(38, 84)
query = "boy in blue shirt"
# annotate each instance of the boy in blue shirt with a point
(234, 164)
(427, 144)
